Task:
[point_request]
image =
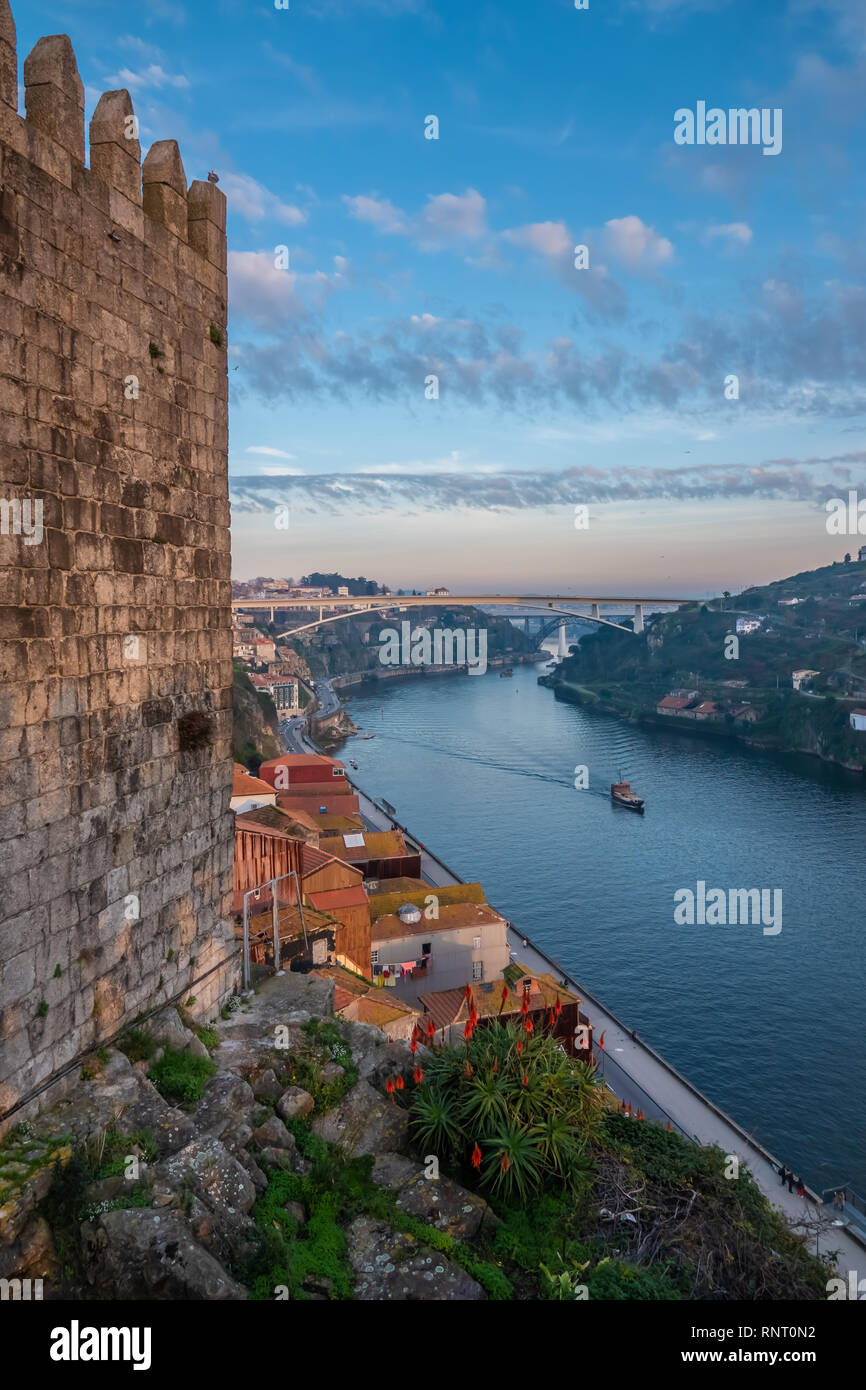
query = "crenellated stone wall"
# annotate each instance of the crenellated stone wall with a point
(116, 837)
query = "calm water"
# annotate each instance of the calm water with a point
(770, 1027)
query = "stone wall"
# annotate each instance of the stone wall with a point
(115, 639)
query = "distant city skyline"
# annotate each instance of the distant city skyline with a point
(601, 307)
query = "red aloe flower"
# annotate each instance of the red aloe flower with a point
(505, 994)
(476, 1156)
(520, 1047)
(640, 1114)
(413, 1046)
(399, 1083)
(558, 1006)
(389, 1087)
(467, 1031)
(524, 1007)
(551, 1020)
(528, 1025)
(468, 1069)
(418, 1075)
(468, 992)
(525, 1080)
(431, 1028)
(505, 1163)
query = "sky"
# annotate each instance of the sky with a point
(366, 259)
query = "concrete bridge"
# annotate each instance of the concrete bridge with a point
(379, 603)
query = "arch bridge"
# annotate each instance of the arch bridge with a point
(351, 605)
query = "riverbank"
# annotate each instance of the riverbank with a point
(716, 729)
(635, 1072)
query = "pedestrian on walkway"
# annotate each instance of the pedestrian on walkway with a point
(783, 1174)
(839, 1199)
(801, 1187)
(790, 1181)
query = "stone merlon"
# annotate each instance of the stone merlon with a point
(54, 93)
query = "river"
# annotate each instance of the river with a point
(770, 1027)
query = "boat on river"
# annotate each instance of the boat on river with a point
(622, 794)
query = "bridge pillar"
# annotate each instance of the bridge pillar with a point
(638, 617)
(562, 649)
(272, 613)
(595, 613)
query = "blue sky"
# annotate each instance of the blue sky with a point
(557, 386)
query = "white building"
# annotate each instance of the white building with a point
(858, 720)
(466, 942)
(801, 678)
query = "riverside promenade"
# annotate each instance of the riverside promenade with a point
(635, 1073)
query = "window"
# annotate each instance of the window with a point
(426, 948)
(338, 771)
(478, 970)
(374, 957)
(476, 943)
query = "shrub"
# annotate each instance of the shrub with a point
(137, 1045)
(181, 1077)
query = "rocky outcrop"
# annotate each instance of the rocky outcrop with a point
(183, 1227)
(439, 1201)
(152, 1254)
(391, 1266)
(364, 1123)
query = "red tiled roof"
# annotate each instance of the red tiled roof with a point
(244, 785)
(302, 760)
(673, 702)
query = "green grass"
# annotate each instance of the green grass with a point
(181, 1078)
(137, 1045)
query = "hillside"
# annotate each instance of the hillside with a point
(750, 679)
(254, 722)
(350, 646)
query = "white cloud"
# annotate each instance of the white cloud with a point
(550, 239)
(451, 217)
(733, 234)
(634, 244)
(378, 213)
(447, 218)
(148, 51)
(252, 201)
(271, 453)
(152, 76)
(262, 294)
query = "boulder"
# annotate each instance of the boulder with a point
(332, 1071)
(390, 1266)
(443, 1203)
(273, 1134)
(393, 1059)
(266, 1086)
(169, 1029)
(364, 1123)
(224, 1109)
(32, 1255)
(296, 1211)
(257, 1177)
(196, 1047)
(219, 1193)
(147, 1254)
(294, 1102)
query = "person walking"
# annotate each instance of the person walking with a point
(790, 1181)
(801, 1187)
(783, 1173)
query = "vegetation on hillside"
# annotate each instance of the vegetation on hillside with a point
(691, 650)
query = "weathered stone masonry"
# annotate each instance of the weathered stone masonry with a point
(115, 828)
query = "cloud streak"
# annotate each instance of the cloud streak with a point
(417, 491)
